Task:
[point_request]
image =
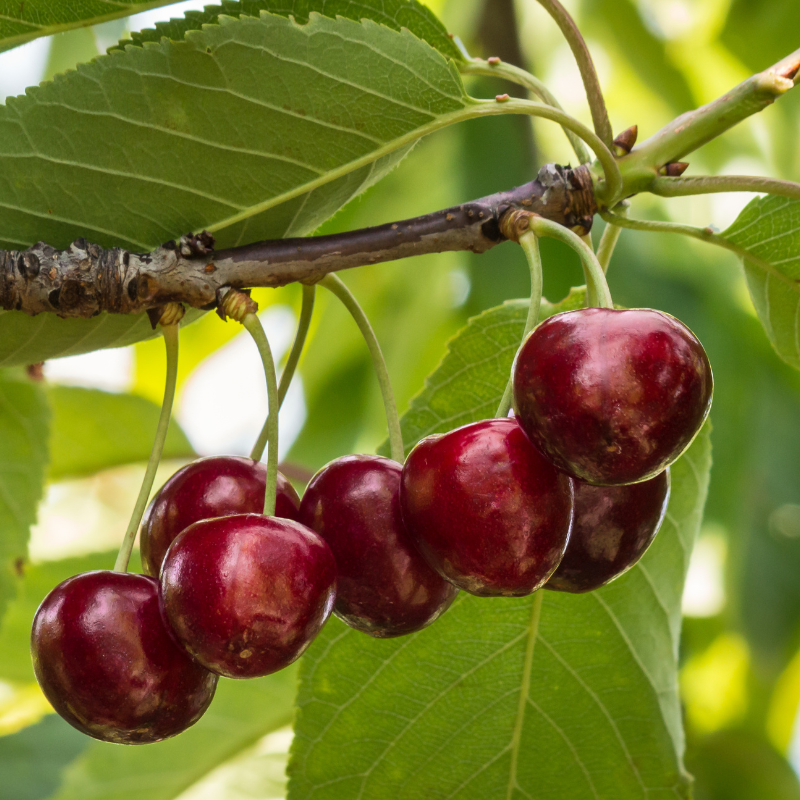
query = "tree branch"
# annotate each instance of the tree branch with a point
(86, 279)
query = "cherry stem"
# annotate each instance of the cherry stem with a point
(170, 333)
(682, 187)
(334, 284)
(530, 246)
(610, 237)
(499, 69)
(596, 284)
(253, 326)
(306, 311)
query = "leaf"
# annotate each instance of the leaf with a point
(304, 118)
(769, 227)
(242, 713)
(395, 14)
(93, 430)
(22, 22)
(29, 340)
(475, 706)
(24, 419)
(32, 759)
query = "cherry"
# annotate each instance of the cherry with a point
(384, 586)
(487, 511)
(613, 527)
(209, 487)
(109, 665)
(246, 594)
(612, 396)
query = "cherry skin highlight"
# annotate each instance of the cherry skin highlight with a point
(384, 585)
(613, 527)
(246, 594)
(109, 665)
(217, 486)
(612, 396)
(486, 509)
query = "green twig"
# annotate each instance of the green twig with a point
(500, 69)
(170, 333)
(253, 326)
(680, 187)
(334, 284)
(598, 293)
(610, 237)
(594, 94)
(306, 311)
(530, 246)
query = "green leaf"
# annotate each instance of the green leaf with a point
(21, 22)
(93, 430)
(29, 340)
(242, 713)
(32, 759)
(305, 117)
(395, 14)
(24, 418)
(475, 706)
(769, 227)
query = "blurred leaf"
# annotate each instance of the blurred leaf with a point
(93, 430)
(37, 581)
(446, 708)
(21, 22)
(28, 340)
(32, 760)
(769, 227)
(24, 421)
(395, 14)
(242, 713)
(463, 388)
(297, 132)
(760, 34)
(734, 765)
(784, 705)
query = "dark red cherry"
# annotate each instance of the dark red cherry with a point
(108, 664)
(613, 527)
(384, 586)
(217, 486)
(612, 396)
(246, 594)
(487, 511)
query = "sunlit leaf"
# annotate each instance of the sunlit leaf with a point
(769, 227)
(479, 705)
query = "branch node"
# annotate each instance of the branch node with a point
(235, 303)
(168, 314)
(624, 143)
(515, 222)
(674, 169)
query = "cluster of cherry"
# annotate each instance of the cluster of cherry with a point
(568, 494)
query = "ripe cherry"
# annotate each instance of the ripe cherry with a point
(209, 487)
(384, 586)
(613, 527)
(109, 665)
(612, 396)
(246, 594)
(486, 509)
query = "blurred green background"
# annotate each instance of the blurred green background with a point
(656, 58)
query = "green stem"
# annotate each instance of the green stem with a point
(610, 237)
(596, 285)
(306, 310)
(335, 285)
(530, 246)
(170, 333)
(253, 326)
(473, 109)
(591, 83)
(680, 187)
(706, 235)
(499, 69)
